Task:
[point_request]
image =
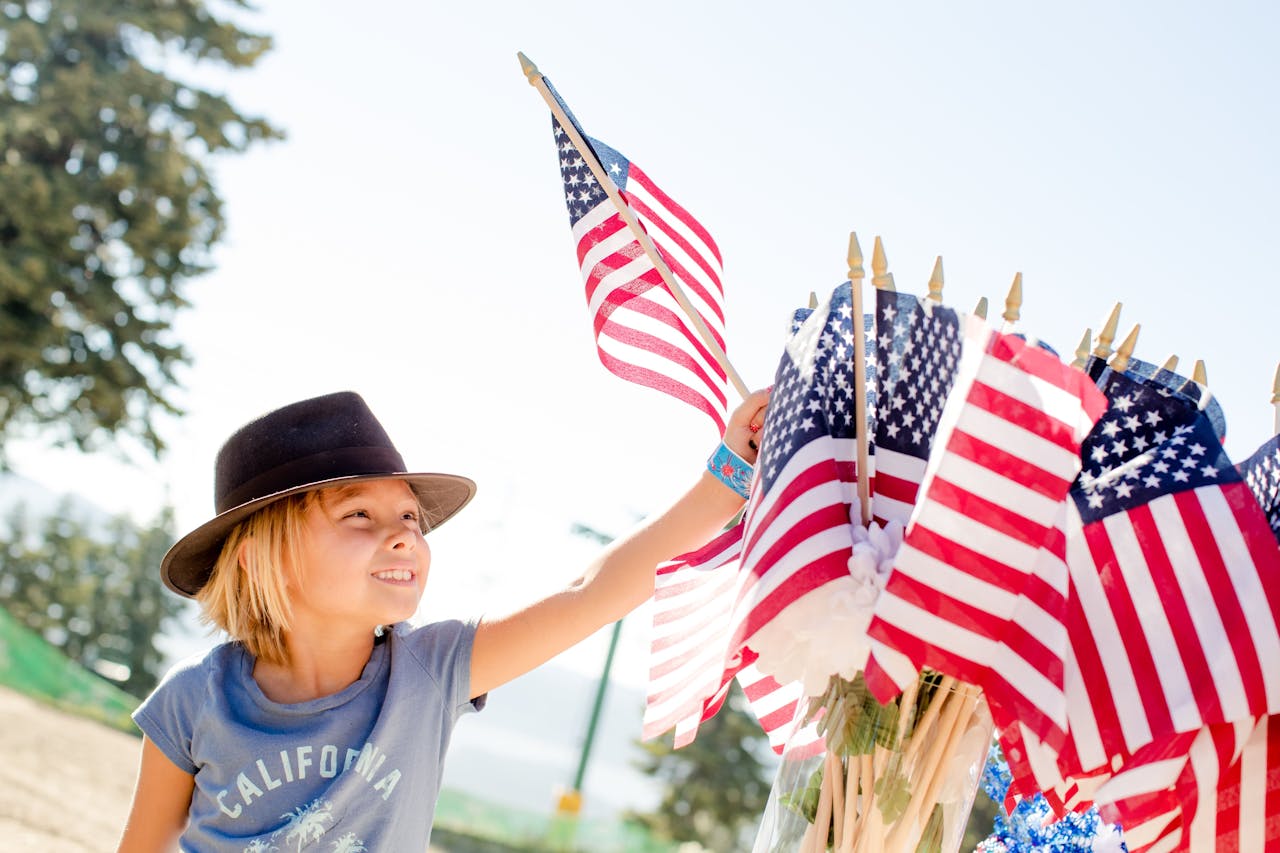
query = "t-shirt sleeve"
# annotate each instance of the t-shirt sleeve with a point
(168, 715)
(444, 651)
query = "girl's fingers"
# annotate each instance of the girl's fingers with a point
(746, 424)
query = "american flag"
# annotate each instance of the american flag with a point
(917, 349)
(1238, 809)
(1214, 789)
(1172, 618)
(642, 333)
(692, 660)
(1261, 472)
(798, 530)
(704, 609)
(807, 465)
(1222, 792)
(975, 590)
(691, 663)
(1175, 581)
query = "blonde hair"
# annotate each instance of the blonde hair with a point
(247, 593)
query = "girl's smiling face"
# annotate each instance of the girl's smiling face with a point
(362, 557)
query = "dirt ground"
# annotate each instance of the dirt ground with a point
(65, 782)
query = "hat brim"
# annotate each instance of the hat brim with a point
(186, 567)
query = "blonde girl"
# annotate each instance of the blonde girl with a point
(322, 723)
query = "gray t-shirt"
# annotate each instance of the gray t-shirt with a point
(356, 771)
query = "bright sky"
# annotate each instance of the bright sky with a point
(409, 239)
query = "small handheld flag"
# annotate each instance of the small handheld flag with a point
(652, 272)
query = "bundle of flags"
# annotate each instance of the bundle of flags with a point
(1150, 657)
(1078, 544)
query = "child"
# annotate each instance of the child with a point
(325, 719)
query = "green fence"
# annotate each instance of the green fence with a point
(32, 666)
(467, 824)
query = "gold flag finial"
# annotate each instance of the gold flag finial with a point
(1170, 364)
(1121, 361)
(1013, 303)
(1275, 399)
(1199, 374)
(935, 281)
(856, 272)
(1082, 350)
(880, 275)
(1108, 334)
(813, 300)
(980, 310)
(526, 65)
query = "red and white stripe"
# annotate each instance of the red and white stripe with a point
(1217, 789)
(642, 333)
(692, 663)
(798, 536)
(895, 485)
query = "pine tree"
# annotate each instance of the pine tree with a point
(92, 590)
(106, 207)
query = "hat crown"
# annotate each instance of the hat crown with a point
(323, 438)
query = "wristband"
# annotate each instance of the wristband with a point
(731, 469)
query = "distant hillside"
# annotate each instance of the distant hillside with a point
(34, 502)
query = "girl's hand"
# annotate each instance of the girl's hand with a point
(746, 425)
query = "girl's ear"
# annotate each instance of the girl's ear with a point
(242, 553)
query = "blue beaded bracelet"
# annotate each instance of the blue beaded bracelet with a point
(731, 469)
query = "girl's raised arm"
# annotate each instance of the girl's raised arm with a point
(621, 576)
(161, 802)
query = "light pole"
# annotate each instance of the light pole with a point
(569, 802)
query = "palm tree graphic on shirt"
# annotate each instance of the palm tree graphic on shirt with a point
(306, 823)
(348, 843)
(260, 846)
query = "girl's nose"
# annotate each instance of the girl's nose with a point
(402, 538)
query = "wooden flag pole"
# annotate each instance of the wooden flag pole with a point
(1170, 364)
(536, 80)
(1199, 374)
(980, 310)
(856, 275)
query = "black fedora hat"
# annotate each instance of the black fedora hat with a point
(324, 441)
